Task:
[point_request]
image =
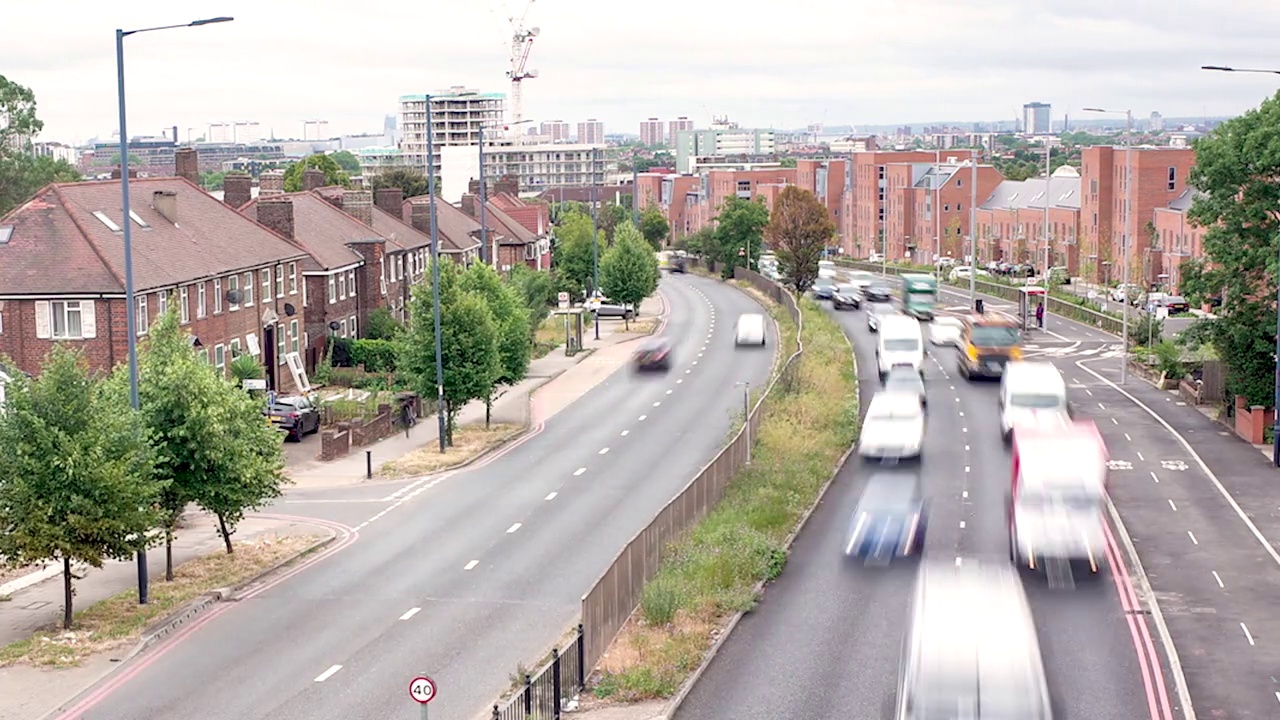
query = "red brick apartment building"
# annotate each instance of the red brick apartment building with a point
(861, 231)
(519, 232)
(1011, 221)
(1177, 238)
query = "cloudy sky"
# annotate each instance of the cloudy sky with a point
(763, 64)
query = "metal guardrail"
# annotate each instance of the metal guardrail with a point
(543, 694)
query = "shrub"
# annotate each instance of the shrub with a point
(1168, 358)
(382, 325)
(376, 356)
(339, 352)
(660, 602)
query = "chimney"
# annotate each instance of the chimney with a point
(390, 200)
(509, 184)
(271, 182)
(359, 205)
(237, 189)
(166, 203)
(420, 218)
(277, 214)
(312, 179)
(469, 205)
(115, 173)
(186, 164)
(334, 199)
(473, 186)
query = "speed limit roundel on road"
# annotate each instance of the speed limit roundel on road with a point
(422, 689)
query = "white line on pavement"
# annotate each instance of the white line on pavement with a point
(579, 471)
(550, 496)
(411, 613)
(328, 673)
(656, 404)
(679, 381)
(1192, 535)
(513, 528)
(471, 564)
(603, 451)
(642, 417)
(1155, 477)
(1247, 635)
(626, 433)
(1140, 456)
(1219, 579)
(1104, 407)
(669, 392)
(1175, 507)
(1126, 437)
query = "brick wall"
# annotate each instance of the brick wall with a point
(359, 205)
(186, 164)
(276, 214)
(391, 200)
(237, 190)
(312, 179)
(271, 182)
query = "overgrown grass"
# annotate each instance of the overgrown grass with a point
(714, 571)
(548, 336)
(469, 443)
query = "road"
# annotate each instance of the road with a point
(825, 640)
(470, 576)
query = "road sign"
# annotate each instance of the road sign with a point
(564, 300)
(254, 384)
(422, 689)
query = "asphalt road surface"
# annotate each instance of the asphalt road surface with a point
(473, 575)
(825, 640)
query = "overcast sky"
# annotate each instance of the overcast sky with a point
(763, 64)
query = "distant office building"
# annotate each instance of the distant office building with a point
(555, 131)
(591, 132)
(1035, 118)
(57, 151)
(677, 126)
(234, 132)
(1157, 121)
(694, 147)
(456, 117)
(315, 130)
(651, 132)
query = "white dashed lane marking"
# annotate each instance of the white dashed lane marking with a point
(550, 496)
(328, 673)
(413, 611)
(603, 451)
(513, 528)
(471, 564)
(1219, 579)
(579, 471)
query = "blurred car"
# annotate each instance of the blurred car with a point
(750, 330)
(893, 428)
(679, 263)
(860, 279)
(846, 296)
(653, 355)
(295, 415)
(824, 288)
(877, 312)
(945, 330)
(877, 293)
(905, 380)
(607, 308)
(963, 272)
(890, 520)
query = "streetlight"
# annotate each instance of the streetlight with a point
(1275, 443)
(435, 271)
(484, 196)
(595, 236)
(132, 312)
(973, 230)
(1124, 239)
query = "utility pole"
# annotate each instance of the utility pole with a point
(595, 236)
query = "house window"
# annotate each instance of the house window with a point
(266, 285)
(281, 347)
(279, 281)
(946, 207)
(293, 278)
(304, 291)
(342, 287)
(184, 307)
(351, 283)
(411, 259)
(66, 317)
(1173, 178)
(293, 335)
(233, 290)
(342, 328)
(399, 267)
(248, 289)
(220, 359)
(352, 327)
(235, 348)
(204, 356)
(217, 296)
(333, 290)
(141, 317)
(200, 301)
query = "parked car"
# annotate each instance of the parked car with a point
(846, 296)
(1177, 304)
(653, 355)
(609, 309)
(295, 415)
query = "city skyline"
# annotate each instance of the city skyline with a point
(798, 74)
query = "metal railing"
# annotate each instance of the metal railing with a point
(544, 693)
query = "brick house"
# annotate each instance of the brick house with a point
(1011, 223)
(511, 242)
(459, 234)
(235, 282)
(1177, 238)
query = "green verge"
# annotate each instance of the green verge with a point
(716, 569)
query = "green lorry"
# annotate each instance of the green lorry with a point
(919, 295)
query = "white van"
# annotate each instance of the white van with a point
(826, 269)
(750, 330)
(900, 343)
(1029, 392)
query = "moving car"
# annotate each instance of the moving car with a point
(900, 343)
(295, 415)
(826, 269)
(654, 354)
(679, 264)
(750, 330)
(893, 428)
(860, 279)
(877, 293)
(890, 521)
(1031, 392)
(988, 343)
(824, 288)
(971, 649)
(607, 308)
(905, 380)
(945, 330)
(878, 311)
(846, 296)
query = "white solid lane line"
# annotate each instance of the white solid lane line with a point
(603, 451)
(579, 471)
(328, 673)
(1219, 579)
(413, 611)
(1247, 635)
(471, 564)
(513, 528)
(550, 496)
(1175, 507)
(1192, 535)
(1140, 456)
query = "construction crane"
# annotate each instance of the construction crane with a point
(521, 44)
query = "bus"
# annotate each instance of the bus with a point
(919, 295)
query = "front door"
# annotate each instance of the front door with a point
(269, 356)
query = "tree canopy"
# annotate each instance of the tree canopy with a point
(21, 172)
(1237, 171)
(629, 270)
(333, 172)
(347, 160)
(739, 232)
(654, 226)
(798, 233)
(511, 321)
(411, 180)
(572, 253)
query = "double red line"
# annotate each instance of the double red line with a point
(1149, 664)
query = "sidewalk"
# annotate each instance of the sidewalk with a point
(582, 372)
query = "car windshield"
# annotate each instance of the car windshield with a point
(847, 289)
(904, 382)
(897, 493)
(901, 344)
(962, 701)
(1035, 400)
(1176, 300)
(894, 411)
(878, 290)
(994, 336)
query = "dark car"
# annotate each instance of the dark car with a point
(653, 355)
(846, 296)
(1177, 304)
(890, 520)
(877, 294)
(678, 264)
(823, 288)
(295, 415)
(905, 380)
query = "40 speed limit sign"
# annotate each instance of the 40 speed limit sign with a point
(422, 689)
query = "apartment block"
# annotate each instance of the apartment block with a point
(863, 230)
(716, 187)
(1012, 222)
(556, 131)
(693, 147)
(829, 180)
(677, 126)
(651, 132)
(591, 132)
(457, 114)
(928, 207)
(1177, 238)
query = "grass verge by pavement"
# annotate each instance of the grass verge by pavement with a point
(469, 443)
(715, 570)
(548, 336)
(120, 620)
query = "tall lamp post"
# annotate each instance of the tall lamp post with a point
(973, 231)
(132, 312)
(435, 273)
(485, 255)
(595, 236)
(1124, 237)
(1275, 442)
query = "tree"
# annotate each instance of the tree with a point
(629, 270)
(610, 217)
(739, 232)
(412, 181)
(212, 181)
(21, 172)
(799, 232)
(468, 342)
(349, 163)
(76, 483)
(1237, 171)
(572, 253)
(536, 289)
(333, 173)
(788, 162)
(382, 325)
(654, 226)
(511, 319)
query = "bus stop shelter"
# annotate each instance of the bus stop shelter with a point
(1029, 296)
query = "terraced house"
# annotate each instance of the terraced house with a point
(236, 284)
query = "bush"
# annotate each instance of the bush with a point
(339, 352)
(660, 602)
(375, 356)
(382, 325)
(1168, 358)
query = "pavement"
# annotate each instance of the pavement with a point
(465, 575)
(824, 641)
(1172, 325)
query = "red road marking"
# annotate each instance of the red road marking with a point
(1158, 704)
